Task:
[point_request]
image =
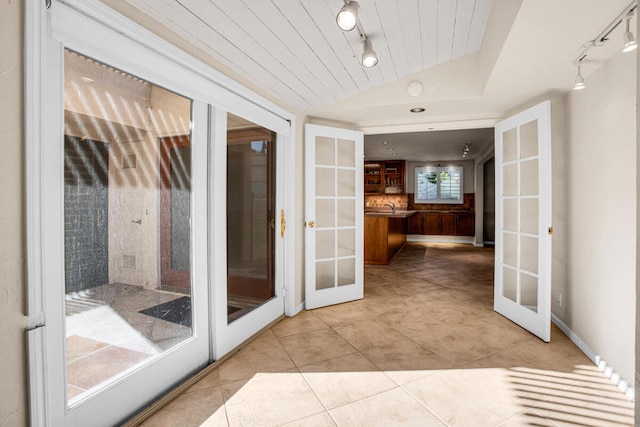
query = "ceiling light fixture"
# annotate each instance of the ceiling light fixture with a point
(466, 149)
(347, 20)
(369, 57)
(417, 110)
(578, 83)
(347, 17)
(629, 42)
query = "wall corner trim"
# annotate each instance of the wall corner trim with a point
(606, 369)
(297, 309)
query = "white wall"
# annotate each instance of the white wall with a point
(600, 165)
(13, 388)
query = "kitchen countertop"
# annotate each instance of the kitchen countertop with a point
(400, 213)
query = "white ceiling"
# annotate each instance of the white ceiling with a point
(428, 146)
(477, 60)
(295, 49)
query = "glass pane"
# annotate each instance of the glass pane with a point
(510, 180)
(325, 213)
(325, 244)
(529, 291)
(510, 284)
(509, 145)
(347, 242)
(325, 275)
(127, 233)
(180, 205)
(346, 183)
(529, 253)
(510, 250)
(529, 139)
(450, 185)
(510, 214)
(346, 153)
(251, 216)
(325, 182)
(529, 216)
(529, 178)
(426, 185)
(346, 212)
(325, 151)
(346, 271)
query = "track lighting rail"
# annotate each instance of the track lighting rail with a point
(601, 38)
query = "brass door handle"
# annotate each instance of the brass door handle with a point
(310, 224)
(283, 223)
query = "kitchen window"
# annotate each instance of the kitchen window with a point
(435, 184)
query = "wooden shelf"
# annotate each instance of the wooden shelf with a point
(384, 177)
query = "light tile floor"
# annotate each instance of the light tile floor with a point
(423, 348)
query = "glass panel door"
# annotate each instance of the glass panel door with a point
(522, 291)
(127, 233)
(251, 216)
(334, 211)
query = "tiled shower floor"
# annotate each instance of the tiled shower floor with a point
(106, 334)
(423, 348)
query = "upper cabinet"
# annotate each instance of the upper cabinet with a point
(384, 177)
(373, 178)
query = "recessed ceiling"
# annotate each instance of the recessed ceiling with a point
(429, 146)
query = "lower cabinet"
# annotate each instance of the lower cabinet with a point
(442, 223)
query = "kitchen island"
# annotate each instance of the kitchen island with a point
(385, 233)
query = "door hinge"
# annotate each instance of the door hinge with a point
(550, 231)
(283, 223)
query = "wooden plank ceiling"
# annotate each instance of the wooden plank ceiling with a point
(295, 50)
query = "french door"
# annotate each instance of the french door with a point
(523, 219)
(334, 199)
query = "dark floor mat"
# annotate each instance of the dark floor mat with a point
(176, 311)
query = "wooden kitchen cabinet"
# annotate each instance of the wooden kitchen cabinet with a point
(442, 223)
(373, 178)
(448, 224)
(384, 177)
(431, 223)
(383, 237)
(465, 224)
(415, 223)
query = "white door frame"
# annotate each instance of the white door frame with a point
(85, 28)
(229, 336)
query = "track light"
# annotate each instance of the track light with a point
(467, 148)
(578, 83)
(629, 42)
(347, 17)
(347, 20)
(369, 57)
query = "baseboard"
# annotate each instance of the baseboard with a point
(606, 369)
(470, 240)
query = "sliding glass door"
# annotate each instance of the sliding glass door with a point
(156, 217)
